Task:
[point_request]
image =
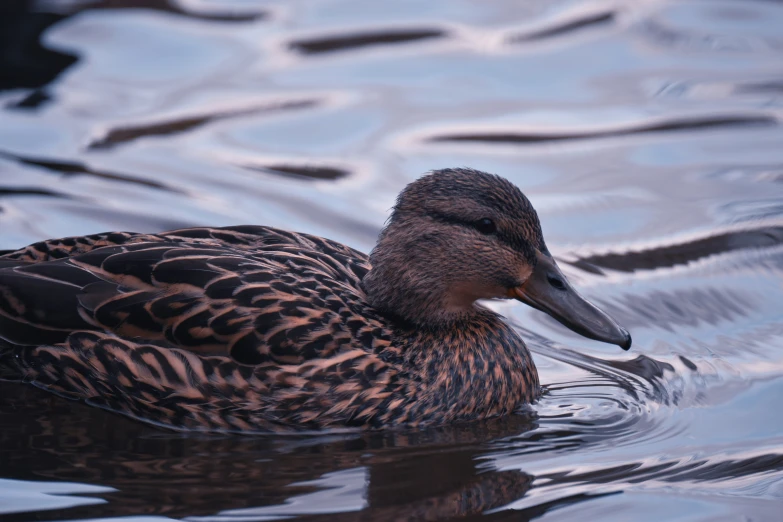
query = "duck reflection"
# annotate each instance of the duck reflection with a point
(422, 475)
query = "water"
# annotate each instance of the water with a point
(647, 134)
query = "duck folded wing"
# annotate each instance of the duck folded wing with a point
(39, 303)
(61, 248)
(276, 306)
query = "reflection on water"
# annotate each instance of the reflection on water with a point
(647, 135)
(675, 253)
(669, 126)
(355, 41)
(71, 168)
(121, 135)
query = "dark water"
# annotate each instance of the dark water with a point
(647, 134)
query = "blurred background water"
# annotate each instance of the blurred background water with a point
(647, 134)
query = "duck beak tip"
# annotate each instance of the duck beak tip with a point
(626, 343)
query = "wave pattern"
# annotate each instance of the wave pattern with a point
(683, 125)
(673, 254)
(353, 41)
(647, 135)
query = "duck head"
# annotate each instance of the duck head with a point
(459, 235)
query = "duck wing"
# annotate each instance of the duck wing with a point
(51, 249)
(256, 294)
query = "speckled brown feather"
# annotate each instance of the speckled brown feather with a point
(244, 328)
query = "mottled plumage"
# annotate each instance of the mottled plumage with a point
(252, 328)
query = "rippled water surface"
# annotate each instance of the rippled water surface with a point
(647, 134)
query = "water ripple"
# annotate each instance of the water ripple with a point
(31, 191)
(73, 168)
(212, 14)
(146, 115)
(668, 126)
(124, 134)
(681, 253)
(307, 172)
(353, 41)
(567, 27)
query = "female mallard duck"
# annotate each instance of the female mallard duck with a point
(252, 328)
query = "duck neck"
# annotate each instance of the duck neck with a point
(388, 293)
(409, 280)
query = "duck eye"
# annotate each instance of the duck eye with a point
(486, 226)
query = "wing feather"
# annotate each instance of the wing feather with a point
(256, 294)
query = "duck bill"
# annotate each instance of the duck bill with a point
(548, 290)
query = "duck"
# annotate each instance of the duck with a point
(257, 329)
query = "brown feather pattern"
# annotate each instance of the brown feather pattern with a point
(244, 328)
